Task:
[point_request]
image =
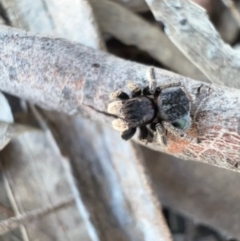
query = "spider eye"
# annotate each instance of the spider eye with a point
(181, 124)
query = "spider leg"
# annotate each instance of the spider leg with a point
(145, 135)
(120, 125)
(115, 107)
(169, 85)
(151, 88)
(152, 80)
(178, 133)
(160, 135)
(128, 134)
(136, 91)
(118, 95)
(153, 126)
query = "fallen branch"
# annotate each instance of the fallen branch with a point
(75, 79)
(8, 129)
(233, 9)
(57, 18)
(202, 193)
(198, 40)
(146, 36)
(227, 26)
(134, 5)
(26, 218)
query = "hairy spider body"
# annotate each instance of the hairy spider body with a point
(133, 113)
(164, 108)
(174, 107)
(138, 111)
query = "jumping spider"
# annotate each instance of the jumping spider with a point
(164, 108)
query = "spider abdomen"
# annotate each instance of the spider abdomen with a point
(174, 107)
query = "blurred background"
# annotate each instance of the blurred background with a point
(199, 202)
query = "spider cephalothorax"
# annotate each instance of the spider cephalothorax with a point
(163, 108)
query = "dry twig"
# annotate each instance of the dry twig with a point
(8, 129)
(203, 193)
(74, 79)
(135, 5)
(56, 18)
(233, 8)
(34, 179)
(227, 26)
(14, 222)
(198, 40)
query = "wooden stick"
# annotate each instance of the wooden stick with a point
(69, 77)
